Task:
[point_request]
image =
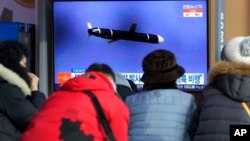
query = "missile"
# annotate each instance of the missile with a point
(131, 35)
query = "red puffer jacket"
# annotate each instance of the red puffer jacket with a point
(69, 115)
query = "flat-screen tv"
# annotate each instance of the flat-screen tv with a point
(122, 33)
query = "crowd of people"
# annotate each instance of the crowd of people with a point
(101, 105)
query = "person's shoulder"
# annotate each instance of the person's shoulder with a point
(177, 91)
(138, 94)
(10, 91)
(176, 94)
(113, 103)
(140, 98)
(185, 94)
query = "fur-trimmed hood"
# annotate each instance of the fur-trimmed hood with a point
(232, 79)
(14, 79)
(226, 67)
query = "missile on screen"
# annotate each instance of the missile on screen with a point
(131, 35)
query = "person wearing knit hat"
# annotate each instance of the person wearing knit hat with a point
(221, 103)
(160, 70)
(161, 112)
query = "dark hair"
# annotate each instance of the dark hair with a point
(11, 53)
(104, 68)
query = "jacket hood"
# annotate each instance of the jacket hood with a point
(232, 79)
(89, 81)
(14, 79)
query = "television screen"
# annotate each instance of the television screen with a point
(121, 33)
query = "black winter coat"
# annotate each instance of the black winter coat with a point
(17, 106)
(221, 106)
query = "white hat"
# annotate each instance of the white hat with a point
(237, 50)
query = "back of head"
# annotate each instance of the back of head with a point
(104, 68)
(160, 70)
(11, 53)
(237, 50)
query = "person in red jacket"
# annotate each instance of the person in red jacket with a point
(69, 114)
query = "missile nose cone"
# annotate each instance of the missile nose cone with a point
(160, 39)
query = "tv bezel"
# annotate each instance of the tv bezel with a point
(51, 40)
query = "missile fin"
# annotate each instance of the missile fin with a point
(89, 25)
(132, 28)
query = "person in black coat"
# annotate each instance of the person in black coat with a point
(19, 95)
(229, 86)
(123, 87)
